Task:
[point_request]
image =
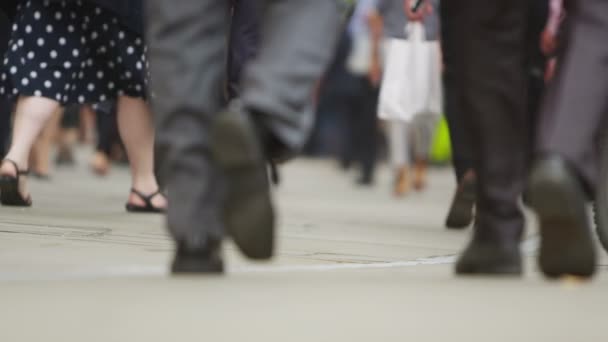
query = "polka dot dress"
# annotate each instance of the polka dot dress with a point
(72, 52)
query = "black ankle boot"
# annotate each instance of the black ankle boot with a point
(462, 210)
(490, 258)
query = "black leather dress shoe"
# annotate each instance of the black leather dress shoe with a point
(462, 210)
(557, 196)
(206, 260)
(490, 258)
(248, 215)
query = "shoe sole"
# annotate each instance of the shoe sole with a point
(506, 270)
(567, 247)
(249, 215)
(192, 267)
(489, 260)
(135, 209)
(461, 212)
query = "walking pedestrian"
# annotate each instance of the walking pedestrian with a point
(565, 174)
(494, 100)
(407, 106)
(83, 51)
(461, 212)
(214, 158)
(358, 107)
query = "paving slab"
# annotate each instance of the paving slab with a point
(353, 264)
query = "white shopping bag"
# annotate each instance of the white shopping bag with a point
(392, 101)
(412, 77)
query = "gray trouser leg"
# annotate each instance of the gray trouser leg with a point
(398, 144)
(575, 109)
(422, 130)
(187, 41)
(299, 37)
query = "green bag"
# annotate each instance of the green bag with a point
(441, 148)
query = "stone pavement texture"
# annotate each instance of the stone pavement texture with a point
(353, 264)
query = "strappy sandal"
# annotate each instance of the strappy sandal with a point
(147, 199)
(9, 188)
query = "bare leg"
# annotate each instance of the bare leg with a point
(100, 163)
(31, 116)
(420, 174)
(137, 132)
(67, 139)
(41, 152)
(87, 125)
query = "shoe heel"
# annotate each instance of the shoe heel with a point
(461, 212)
(9, 191)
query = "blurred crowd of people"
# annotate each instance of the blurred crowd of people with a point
(382, 92)
(233, 86)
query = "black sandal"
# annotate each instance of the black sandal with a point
(148, 207)
(9, 188)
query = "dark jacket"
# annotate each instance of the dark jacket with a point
(8, 7)
(130, 12)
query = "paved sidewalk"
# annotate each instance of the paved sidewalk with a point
(354, 264)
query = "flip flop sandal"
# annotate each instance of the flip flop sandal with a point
(147, 199)
(9, 188)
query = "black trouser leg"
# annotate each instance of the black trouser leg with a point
(365, 139)
(536, 63)
(460, 135)
(494, 90)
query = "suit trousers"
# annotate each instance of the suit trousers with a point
(188, 56)
(359, 113)
(489, 66)
(243, 42)
(536, 63)
(462, 149)
(573, 115)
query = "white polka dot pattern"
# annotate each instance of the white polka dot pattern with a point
(72, 52)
